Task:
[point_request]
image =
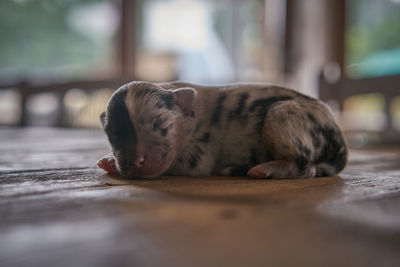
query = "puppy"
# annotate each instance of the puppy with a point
(258, 130)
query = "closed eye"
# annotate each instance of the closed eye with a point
(159, 123)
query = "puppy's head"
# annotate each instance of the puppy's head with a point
(142, 126)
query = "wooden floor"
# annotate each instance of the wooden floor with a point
(58, 209)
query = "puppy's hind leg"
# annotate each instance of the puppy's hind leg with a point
(286, 138)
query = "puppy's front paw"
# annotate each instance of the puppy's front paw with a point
(108, 164)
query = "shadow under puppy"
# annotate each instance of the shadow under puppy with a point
(259, 130)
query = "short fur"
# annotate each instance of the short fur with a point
(242, 129)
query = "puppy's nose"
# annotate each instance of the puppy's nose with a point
(138, 163)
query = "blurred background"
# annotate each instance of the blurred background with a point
(60, 60)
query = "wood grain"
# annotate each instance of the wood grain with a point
(58, 209)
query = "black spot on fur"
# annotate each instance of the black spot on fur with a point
(239, 170)
(241, 103)
(119, 127)
(312, 118)
(267, 102)
(193, 160)
(159, 105)
(168, 100)
(316, 138)
(341, 160)
(303, 165)
(261, 106)
(315, 132)
(334, 151)
(240, 106)
(164, 131)
(216, 116)
(205, 138)
(302, 148)
(120, 130)
(192, 114)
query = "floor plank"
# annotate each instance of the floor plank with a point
(58, 209)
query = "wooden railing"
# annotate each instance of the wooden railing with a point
(387, 86)
(27, 89)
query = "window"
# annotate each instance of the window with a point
(201, 41)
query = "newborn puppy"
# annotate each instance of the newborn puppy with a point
(259, 130)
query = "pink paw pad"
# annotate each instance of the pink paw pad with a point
(108, 164)
(257, 172)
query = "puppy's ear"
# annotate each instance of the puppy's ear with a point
(184, 98)
(103, 120)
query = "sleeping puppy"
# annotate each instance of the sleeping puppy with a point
(258, 130)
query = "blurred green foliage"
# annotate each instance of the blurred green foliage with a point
(36, 40)
(373, 38)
